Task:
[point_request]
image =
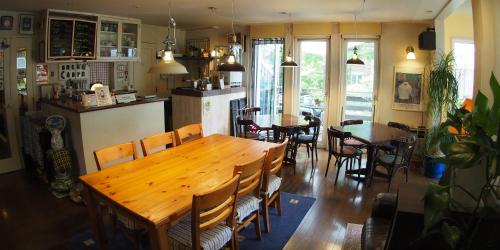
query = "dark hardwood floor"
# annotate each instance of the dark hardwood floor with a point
(31, 218)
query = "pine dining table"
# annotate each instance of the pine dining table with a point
(156, 191)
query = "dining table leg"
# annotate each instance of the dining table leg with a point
(370, 160)
(96, 220)
(158, 237)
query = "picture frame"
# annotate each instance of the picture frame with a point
(407, 89)
(6, 22)
(26, 24)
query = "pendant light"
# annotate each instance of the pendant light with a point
(355, 58)
(231, 64)
(167, 64)
(289, 62)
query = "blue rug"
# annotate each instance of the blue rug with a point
(294, 207)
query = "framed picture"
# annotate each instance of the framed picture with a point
(407, 89)
(6, 22)
(26, 23)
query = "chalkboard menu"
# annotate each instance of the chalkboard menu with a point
(84, 39)
(61, 34)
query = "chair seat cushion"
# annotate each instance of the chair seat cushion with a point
(388, 159)
(274, 185)
(348, 150)
(180, 236)
(246, 205)
(304, 138)
(354, 143)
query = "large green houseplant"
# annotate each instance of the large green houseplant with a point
(442, 97)
(453, 223)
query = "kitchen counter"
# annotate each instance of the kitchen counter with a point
(204, 93)
(77, 107)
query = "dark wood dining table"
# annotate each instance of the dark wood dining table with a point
(284, 120)
(373, 135)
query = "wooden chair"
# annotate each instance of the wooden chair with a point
(242, 130)
(388, 148)
(351, 141)
(105, 156)
(114, 153)
(311, 139)
(400, 159)
(150, 143)
(281, 134)
(248, 203)
(338, 148)
(211, 224)
(398, 125)
(271, 181)
(188, 133)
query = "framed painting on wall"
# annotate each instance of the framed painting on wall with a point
(407, 89)
(6, 22)
(26, 23)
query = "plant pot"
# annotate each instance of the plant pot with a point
(433, 169)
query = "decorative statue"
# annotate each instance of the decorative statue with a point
(59, 157)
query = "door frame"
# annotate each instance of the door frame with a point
(343, 58)
(296, 88)
(14, 162)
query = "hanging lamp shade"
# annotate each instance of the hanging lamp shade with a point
(168, 67)
(355, 59)
(289, 62)
(231, 65)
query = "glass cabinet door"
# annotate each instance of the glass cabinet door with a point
(61, 38)
(130, 32)
(84, 39)
(108, 39)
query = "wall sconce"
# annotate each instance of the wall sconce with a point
(410, 53)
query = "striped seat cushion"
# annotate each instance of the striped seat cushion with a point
(389, 159)
(274, 184)
(245, 206)
(179, 236)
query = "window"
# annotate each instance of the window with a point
(464, 60)
(267, 75)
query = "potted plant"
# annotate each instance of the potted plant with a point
(442, 95)
(462, 211)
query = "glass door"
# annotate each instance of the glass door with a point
(129, 34)
(359, 81)
(313, 78)
(268, 76)
(108, 39)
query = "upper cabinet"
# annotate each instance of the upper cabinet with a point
(83, 36)
(119, 39)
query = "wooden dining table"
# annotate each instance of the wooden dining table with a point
(373, 135)
(156, 191)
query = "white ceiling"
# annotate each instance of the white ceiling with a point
(195, 13)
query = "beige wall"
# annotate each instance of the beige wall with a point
(457, 26)
(394, 40)
(486, 21)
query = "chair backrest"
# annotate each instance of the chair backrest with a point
(114, 153)
(251, 173)
(404, 150)
(150, 143)
(307, 115)
(315, 125)
(399, 126)
(281, 133)
(336, 140)
(213, 207)
(350, 122)
(273, 163)
(242, 126)
(188, 133)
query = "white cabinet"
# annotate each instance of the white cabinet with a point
(119, 39)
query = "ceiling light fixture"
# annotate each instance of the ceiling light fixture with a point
(355, 58)
(289, 62)
(168, 65)
(231, 64)
(410, 53)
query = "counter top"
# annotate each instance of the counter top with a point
(204, 93)
(79, 108)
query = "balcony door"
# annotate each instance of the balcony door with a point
(359, 80)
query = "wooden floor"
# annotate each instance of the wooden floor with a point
(31, 218)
